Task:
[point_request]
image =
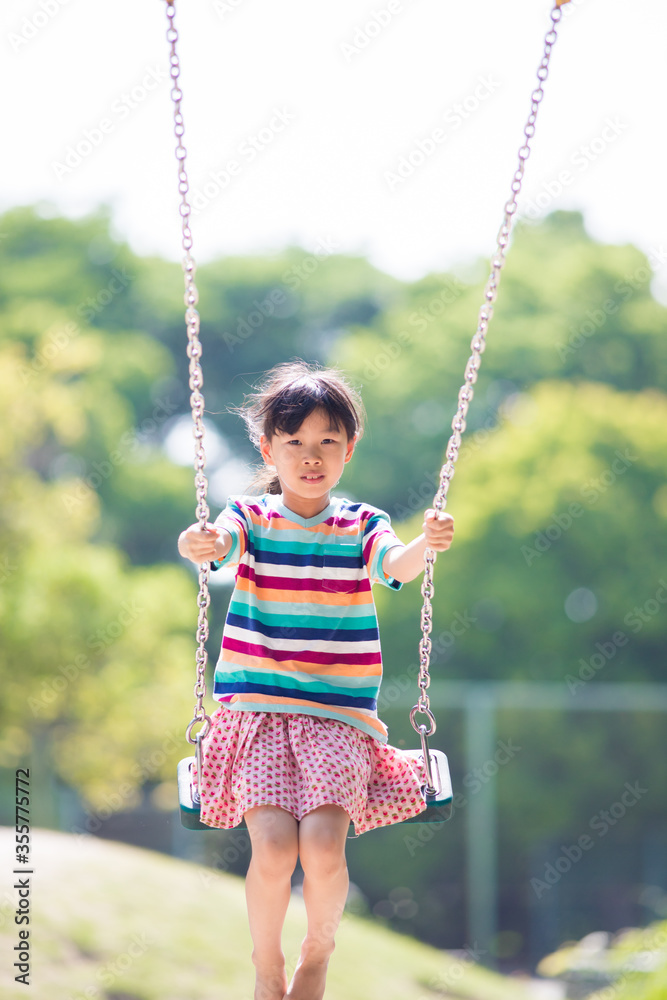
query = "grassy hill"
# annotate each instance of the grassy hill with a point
(114, 922)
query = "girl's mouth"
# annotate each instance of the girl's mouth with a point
(313, 479)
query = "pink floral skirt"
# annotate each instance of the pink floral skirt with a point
(300, 762)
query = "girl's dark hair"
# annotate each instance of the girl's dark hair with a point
(286, 396)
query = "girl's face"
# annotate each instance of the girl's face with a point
(308, 462)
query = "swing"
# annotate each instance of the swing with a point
(437, 792)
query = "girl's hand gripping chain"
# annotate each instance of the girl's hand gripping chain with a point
(438, 530)
(203, 546)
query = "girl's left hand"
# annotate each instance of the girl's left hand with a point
(438, 530)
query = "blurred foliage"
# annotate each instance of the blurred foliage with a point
(557, 571)
(630, 966)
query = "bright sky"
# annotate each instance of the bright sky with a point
(298, 114)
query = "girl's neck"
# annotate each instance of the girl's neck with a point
(304, 506)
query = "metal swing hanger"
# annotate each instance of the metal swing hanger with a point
(477, 345)
(194, 351)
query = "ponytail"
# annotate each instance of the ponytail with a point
(265, 481)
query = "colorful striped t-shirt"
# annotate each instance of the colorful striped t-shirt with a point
(301, 633)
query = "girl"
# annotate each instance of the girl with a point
(296, 747)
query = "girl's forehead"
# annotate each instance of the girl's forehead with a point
(317, 421)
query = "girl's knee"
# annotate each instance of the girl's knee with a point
(322, 844)
(274, 838)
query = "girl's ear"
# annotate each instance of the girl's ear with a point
(350, 448)
(265, 449)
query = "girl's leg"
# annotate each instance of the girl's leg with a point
(322, 835)
(274, 837)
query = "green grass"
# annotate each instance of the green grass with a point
(114, 922)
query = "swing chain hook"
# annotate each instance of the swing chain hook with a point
(196, 381)
(477, 346)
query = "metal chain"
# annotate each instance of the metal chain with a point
(194, 350)
(478, 345)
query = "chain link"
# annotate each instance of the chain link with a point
(194, 351)
(477, 345)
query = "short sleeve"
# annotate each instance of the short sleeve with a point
(378, 538)
(234, 520)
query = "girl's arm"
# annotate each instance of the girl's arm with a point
(204, 546)
(407, 562)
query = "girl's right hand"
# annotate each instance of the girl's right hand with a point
(201, 546)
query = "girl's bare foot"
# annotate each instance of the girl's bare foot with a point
(309, 978)
(270, 982)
